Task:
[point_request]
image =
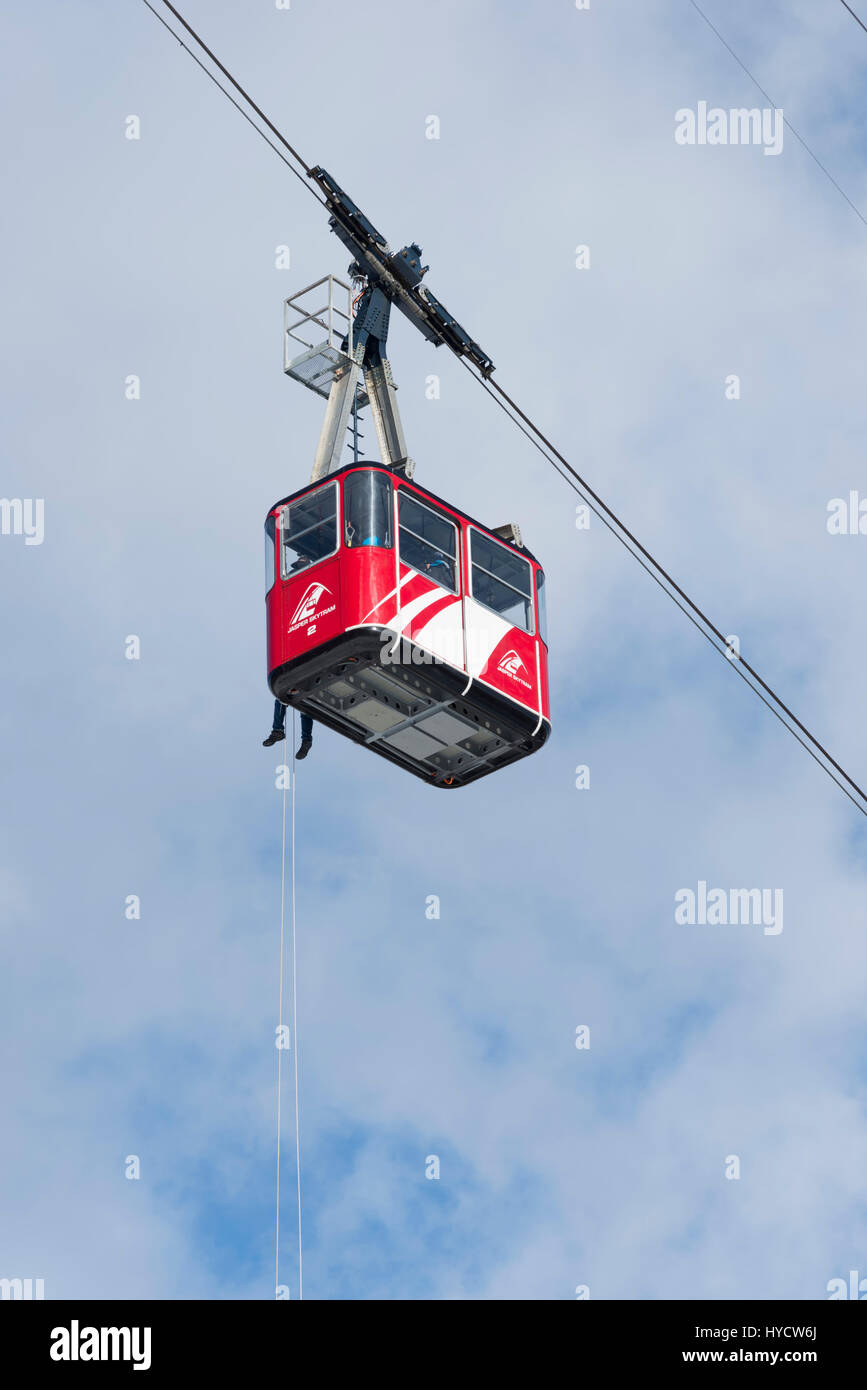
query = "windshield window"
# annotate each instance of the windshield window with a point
(367, 509)
(428, 542)
(501, 580)
(308, 529)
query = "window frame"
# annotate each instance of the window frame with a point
(338, 529)
(271, 527)
(529, 598)
(441, 516)
(541, 606)
(346, 483)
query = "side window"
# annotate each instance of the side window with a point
(308, 530)
(367, 509)
(270, 553)
(501, 580)
(541, 607)
(428, 541)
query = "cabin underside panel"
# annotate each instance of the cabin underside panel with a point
(399, 702)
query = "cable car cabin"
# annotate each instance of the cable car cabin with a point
(405, 625)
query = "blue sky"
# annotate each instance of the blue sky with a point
(559, 1167)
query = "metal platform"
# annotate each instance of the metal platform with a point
(305, 318)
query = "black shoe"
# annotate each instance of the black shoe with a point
(306, 745)
(274, 737)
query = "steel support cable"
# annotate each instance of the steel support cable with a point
(238, 88)
(673, 591)
(633, 540)
(617, 527)
(856, 18)
(787, 123)
(228, 95)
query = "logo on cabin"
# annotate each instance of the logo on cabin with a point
(511, 664)
(307, 607)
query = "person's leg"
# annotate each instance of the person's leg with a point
(278, 731)
(306, 736)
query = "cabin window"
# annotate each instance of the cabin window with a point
(428, 541)
(501, 580)
(308, 530)
(541, 607)
(367, 509)
(270, 553)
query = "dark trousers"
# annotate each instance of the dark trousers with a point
(280, 720)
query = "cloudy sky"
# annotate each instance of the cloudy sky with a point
(560, 1167)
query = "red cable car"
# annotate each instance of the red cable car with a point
(398, 621)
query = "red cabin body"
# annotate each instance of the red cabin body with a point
(405, 625)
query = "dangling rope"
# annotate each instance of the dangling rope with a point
(293, 1041)
(295, 1031)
